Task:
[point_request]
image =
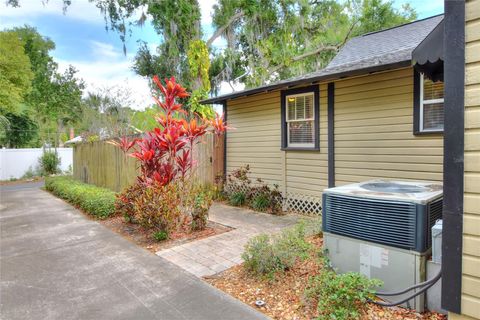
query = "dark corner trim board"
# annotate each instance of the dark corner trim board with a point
(331, 135)
(416, 107)
(453, 165)
(416, 102)
(225, 141)
(316, 106)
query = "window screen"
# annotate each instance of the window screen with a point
(300, 120)
(432, 105)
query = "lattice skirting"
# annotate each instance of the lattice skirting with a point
(292, 202)
(302, 203)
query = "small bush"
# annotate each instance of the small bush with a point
(158, 208)
(94, 200)
(237, 198)
(160, 236)
(340, 296)
(259, 196)
(202, 201)
(260, 202)
(30, 173)
(266, 255)
(49, 162)
(125, 201)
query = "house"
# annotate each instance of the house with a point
(371, 114)
(368, 114)
(461, 212)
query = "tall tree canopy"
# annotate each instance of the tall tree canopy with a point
(55, 97)
(265, 40)
(15, 73)
(33, 90)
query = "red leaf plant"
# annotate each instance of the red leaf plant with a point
(166, 153)
(219, 125)
(123, 143)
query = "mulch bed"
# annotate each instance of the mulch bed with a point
(143, 237)
(284, 296)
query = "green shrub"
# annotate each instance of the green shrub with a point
(160, 236)
(237, 198)
(30, 173)
(340, 296)
(94, 200)
(158, 208)
(125, 201)
(49, 162)
(259, 196)
(201, 203)
(266, 255)
(260, 202)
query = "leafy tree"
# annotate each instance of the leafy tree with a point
(145, 120)
(20, 131)
(55, 98)
(266, 40)
(376, 15)
(286, 38)
(15, 73)
(107, 112)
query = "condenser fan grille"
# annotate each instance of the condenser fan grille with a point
(393, 223)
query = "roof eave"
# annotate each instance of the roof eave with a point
(311, 80)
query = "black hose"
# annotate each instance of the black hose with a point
(426, 285)
(418, 285)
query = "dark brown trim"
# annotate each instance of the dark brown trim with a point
(283, 124)
(331, 135)
(416, 107)
(313, 79)
(453, 166)
(300, 149)
(416, 102)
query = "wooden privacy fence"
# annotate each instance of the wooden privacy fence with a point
(105, 165)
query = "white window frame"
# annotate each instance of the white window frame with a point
(288, 121)
(424, 102)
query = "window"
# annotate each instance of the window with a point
(300, 118)
(431, 105)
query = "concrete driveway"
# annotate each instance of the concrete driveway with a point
(56, 264)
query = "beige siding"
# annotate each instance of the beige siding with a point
(373, 137)
(256, 138)
(307, 171)
(471, 220)
(373, 131)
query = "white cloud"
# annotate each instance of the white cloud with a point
(80, 10)
(103, 50)
(102, 73)
(206, 9)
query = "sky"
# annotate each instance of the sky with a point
(82, 40)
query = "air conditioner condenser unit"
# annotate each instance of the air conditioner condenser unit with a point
(382, 229)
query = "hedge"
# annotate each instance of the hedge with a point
(98, 202)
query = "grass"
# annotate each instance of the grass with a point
(96, 201)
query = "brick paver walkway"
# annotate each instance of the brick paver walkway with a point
(217, 253)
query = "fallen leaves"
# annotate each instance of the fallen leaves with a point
(142, 236)
(284, 297)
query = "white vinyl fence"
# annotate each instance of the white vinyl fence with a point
(14, 163)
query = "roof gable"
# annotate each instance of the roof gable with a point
(396, 43)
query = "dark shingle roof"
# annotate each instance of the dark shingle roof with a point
(391, 44)
(371, 52)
